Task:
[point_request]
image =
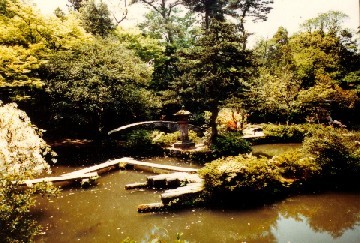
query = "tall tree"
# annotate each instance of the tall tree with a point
(238, 9)
(257, 10)
(76, 4)
(212, 9)
(275, 54)
(273, 98)
(214, 71)
(164, 9)
(96, 18)
(310, 67)
(26, 39)
(179, 29)
(329, 22)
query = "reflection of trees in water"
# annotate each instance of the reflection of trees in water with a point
(247, 225)
(332, 213)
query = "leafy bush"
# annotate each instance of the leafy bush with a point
(294, 165)
(168, 139)
(230, 144)
(141, 143)
(335, 151)
(165, 139)
(245, 176)
(288, 133)
(329, 158)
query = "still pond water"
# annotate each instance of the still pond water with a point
(108, 213)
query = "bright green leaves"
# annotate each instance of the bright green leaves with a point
(18, 66)
(26, 39)
(313, 67)
(145, 47)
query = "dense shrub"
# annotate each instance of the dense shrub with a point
(230, 144)
(329, 159)
(168, 139)
(335, 151)
(140, 142)
(288, 133)
(246, 176)
(296, 166)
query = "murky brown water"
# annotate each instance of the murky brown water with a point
(108, 213)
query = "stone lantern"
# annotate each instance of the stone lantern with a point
(183, 124)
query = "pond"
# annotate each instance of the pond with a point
(270, 150)
(108, 213)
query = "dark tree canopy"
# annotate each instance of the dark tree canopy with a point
(214, 71)
(212, 9)
(76, 4)
(237, 9)
(96, 18)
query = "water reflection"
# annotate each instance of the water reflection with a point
(108, 213)
(269, 150)
(329, 216)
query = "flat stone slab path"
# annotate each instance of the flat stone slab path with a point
(64, 179)
(183, 184)
(93, 172)
(184, 188)
(152, 167)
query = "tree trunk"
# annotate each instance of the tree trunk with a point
(213, 125)
(207, 19)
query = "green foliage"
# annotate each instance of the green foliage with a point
(314, 66)
(148, 49)
(213, 71)
(295, 165)
(212, 10)
(329, 22)
(165, 69)
(139, 138)
(288, 133)
(171, 25)
(76, 4)
(21, 50)
(99, 85)
(352, 80)
(96, 18)
(330, 158)
(247, 177)
(17, 225)
(335, 151)
(140, 142)
(238, 10)
(230, 144)
(168, 139)
(273, 98)
(26, 39)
